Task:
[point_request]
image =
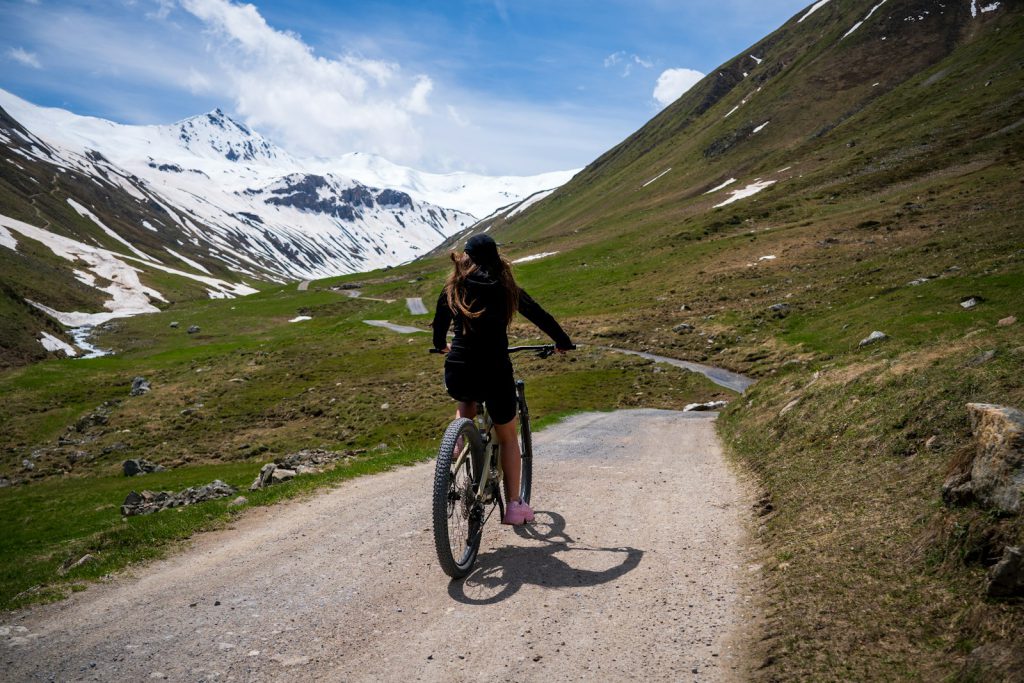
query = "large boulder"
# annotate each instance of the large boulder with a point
(141, 466)
(264, 478)
(997, 473)
(1006, 579)
(140, 386)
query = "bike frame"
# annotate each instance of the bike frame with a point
(491, 465)
(492, 455)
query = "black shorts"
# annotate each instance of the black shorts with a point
(488, 382)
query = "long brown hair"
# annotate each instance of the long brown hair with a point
(455, 286)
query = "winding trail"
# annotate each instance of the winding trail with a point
(723, 378)
(635, 567)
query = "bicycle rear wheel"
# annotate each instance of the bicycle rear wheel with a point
(526, 446)
(457, 513)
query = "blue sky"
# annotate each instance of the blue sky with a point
(493, 86)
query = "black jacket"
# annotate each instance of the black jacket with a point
(486, 336)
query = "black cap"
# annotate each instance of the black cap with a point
(482, 249)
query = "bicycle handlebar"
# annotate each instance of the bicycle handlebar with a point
(544, 350)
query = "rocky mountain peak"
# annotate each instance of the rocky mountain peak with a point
(217, 135)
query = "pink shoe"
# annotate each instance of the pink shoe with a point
(527, 511)
(517, 513)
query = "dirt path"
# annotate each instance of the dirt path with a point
(635, 568)
(723, 378)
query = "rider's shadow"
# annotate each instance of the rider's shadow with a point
(501, 572)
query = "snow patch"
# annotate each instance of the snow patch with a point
(868, 16)
(185, 259)
(51, 343)
(534, 257)
(756, 59)
(656, 177)
(747, 191)
(530, 201)
(128, 295)
(814, 8)
(82, 211)
(731, 111)
(726, 183)
(7, 239)
(149, 226)
(769, 257)
(300, 318)
(761, 127)
(984, 8)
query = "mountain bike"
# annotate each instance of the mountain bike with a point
(468, 479)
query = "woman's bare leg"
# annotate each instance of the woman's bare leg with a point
(511, 457)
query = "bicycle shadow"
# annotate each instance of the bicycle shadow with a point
(500, 573)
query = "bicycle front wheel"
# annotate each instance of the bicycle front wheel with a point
(458, 514)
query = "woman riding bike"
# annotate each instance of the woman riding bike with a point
(481, 297)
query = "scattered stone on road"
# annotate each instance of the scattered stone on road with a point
(1007, 321)
(345, 585)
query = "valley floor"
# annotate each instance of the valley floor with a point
(637, 564)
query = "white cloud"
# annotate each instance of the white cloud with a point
(197, 82)
(310, 103)
(614, 58)
(416, 101)
(628, 61)
(24, 57)
(456, 117)
(674, 82)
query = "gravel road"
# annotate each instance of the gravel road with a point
(635, 568)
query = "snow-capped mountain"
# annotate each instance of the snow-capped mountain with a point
(475, 194)
(254, 207)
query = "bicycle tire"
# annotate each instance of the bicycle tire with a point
(526, 446)
(456, 514)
